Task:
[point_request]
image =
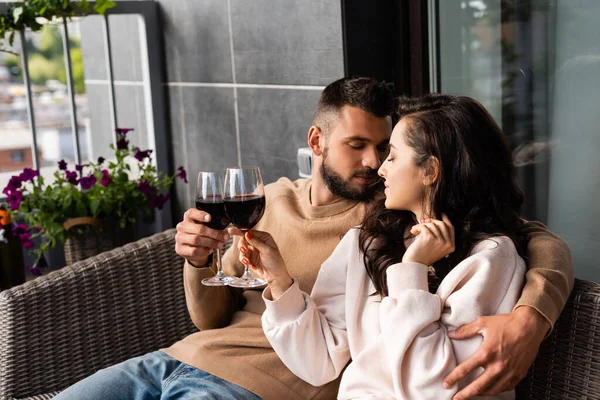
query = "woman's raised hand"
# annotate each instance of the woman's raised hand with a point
(258, 250)
(435, 240)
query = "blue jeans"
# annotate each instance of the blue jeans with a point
(154, 376)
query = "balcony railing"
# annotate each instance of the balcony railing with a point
(152, 82)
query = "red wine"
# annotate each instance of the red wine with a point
(245, 211)
(216, 208)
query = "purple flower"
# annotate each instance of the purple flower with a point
(87, 182)
(122, 143)
(28, 174)
(141, 155)
(71, 177)
(26, 241)
(19, 229)
(79, 167)
(123, 131)
(23, 234)
(145, 188)
(62, 165)
(14, 183)
(105, 180)
(14, 199)
(182, 174)
(40, 263)
(35, 271)
(158, 201)
(100, 160)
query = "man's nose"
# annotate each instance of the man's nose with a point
(371, 159)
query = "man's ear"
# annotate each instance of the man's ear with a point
(432, 171)
(316, 140)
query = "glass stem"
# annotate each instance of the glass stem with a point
(220, 273)
(247, 275)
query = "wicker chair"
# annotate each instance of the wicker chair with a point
(129, 301)
(62, 327)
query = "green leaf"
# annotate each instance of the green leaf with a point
(67, 200)
(108, 207)
(102, 5)
(95, 206)
(80, 209)
(11, 38)
(84, 5)
(17, 12)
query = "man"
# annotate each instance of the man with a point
(230, 358)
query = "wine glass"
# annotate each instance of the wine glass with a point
(209, 198)
(244, 196)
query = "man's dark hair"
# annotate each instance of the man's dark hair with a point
(368, 94)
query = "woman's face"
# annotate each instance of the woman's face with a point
(404, 181)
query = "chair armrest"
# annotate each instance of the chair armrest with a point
(567, 365)
(62, 327)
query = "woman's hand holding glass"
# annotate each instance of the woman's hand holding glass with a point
(434, 241)
(258, 250)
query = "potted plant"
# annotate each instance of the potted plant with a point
(90, 206)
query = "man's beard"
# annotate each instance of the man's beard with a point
(341, 187)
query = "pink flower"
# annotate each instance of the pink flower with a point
(71, 177)
(87, 182)
(29, 174)
(122, 143)
(182, 174)
(123, 131)
(105, 180)
(141, 155)
(145, 188)
(158, 200)
(14, 183)
(14, 199)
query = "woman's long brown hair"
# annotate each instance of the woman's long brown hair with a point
(476, 185)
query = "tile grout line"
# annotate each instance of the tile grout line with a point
(245, 85)
(189, 202)
(235, 94)
(185, 146)
(210, 84)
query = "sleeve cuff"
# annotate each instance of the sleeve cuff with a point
(287, 308)
(195, 273)
(404, 276)
(551, 321)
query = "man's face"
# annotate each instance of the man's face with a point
(354, 151)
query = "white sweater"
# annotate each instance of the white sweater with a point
(398, 345)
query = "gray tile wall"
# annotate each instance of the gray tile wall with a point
(267, 59)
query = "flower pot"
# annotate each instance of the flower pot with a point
(88, 237)
(12, 267)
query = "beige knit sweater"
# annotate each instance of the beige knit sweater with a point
(231, 343)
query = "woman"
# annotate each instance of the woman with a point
(441, 250)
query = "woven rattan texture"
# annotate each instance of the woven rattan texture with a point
(62, 327)
(80, 247)
(568, 364)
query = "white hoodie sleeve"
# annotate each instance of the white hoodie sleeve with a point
(308, 333)
(414, 322)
